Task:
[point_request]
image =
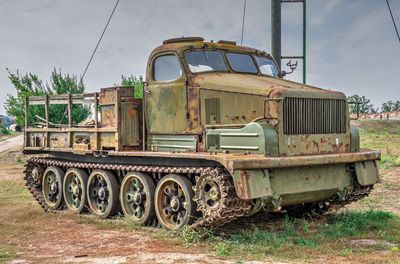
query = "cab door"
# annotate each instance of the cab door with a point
(166, 96)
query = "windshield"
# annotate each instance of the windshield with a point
(213, 60)
(205, 60)
(241, 62)
(267, 66)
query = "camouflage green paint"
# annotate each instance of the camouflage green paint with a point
(367, 173)
(246, 134)
(251, 138)
(354, 139)
(172, 143)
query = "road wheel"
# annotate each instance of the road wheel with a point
(137, 197)
(174, 203)
(74, 189)
(102, 193)
(52, 183)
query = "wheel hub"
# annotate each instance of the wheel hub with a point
(175, 204)
(214, 194)
(75, 190)
(137, 198)
(53, 187)
(102, 193)
(208, 194)
(35, 174)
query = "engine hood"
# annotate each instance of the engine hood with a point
(253, 84)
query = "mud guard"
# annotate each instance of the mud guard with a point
(367, 172)
(251, 184)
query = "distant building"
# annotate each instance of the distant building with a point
(378, 116)
(6, 121)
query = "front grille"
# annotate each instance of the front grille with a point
(314, 116)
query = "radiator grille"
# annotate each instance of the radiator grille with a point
(314, 116)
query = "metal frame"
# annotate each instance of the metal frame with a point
(276, 33)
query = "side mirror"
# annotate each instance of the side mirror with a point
(292, 67)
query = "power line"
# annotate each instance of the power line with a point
(396, 12)
(244, 17)
(98, 42)
(394, 23)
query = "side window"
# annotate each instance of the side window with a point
(166, 68)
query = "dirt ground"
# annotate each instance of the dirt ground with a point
(34, 236)
(28, 235)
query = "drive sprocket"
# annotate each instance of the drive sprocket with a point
(217, 200)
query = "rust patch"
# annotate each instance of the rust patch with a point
(194, 124)
(244, 178)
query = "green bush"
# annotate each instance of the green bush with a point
(4, 130)
(135, 82)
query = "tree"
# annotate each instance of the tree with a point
(396, 106)
(30, 85)
(387, 106)
(365, 106)
(390, 106)
(136, 82)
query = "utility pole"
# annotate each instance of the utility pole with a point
(276, 33)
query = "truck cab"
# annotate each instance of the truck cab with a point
(204, 90)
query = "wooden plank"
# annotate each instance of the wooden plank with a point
(73, 129)
(46, 110)
(26, 112)
(69, 110)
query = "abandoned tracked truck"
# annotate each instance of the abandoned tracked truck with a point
(218, 135)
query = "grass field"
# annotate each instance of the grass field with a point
(370, 225)
(383, 136)
(364, 232)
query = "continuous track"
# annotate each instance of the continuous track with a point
(231, 206)
(231, 209)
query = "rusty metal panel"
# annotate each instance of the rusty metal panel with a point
(172, 143)
(108, 116)
(36, 139)
(213, 111)
(250, 138)
(83, 141)
(252, 184)
(108, 96)
(58, 140)
(367, 172)
(167, 108)
(107, 141)
(231, 108)
(130, 130)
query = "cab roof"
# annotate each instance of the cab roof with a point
(184, 43)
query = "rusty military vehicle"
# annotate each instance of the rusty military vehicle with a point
(218, 135)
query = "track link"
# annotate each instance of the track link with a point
(232, 207)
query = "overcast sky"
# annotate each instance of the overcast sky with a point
(352, 46)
